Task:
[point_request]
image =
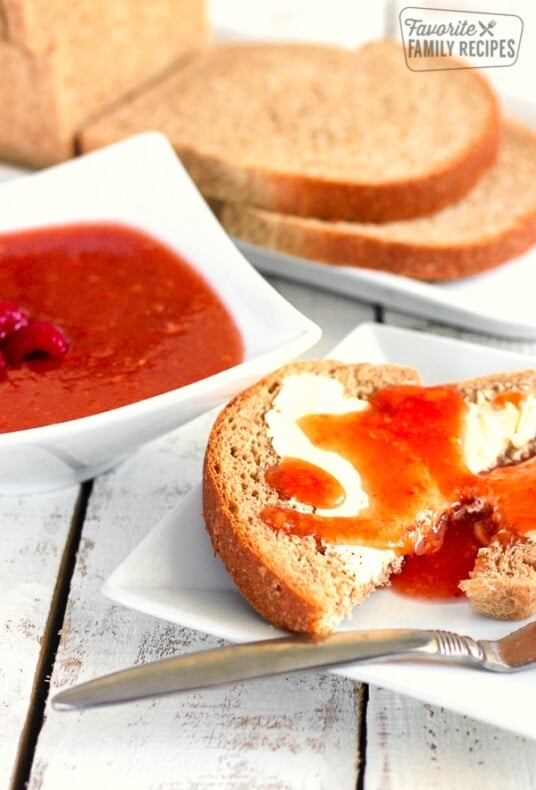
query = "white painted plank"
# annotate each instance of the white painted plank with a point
(296, 731)
(417, 746)
(337, 315)
(33, 530)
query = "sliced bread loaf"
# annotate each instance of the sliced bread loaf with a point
(319, 131)
(63, 62)
(303, 582)
(493, 223)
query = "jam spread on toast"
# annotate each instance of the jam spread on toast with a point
(423, 500)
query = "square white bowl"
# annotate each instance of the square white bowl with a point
(141, 183)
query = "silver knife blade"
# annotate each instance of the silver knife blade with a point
(287, 654)
(239, 662)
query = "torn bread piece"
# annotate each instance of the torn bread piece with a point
(502, 583)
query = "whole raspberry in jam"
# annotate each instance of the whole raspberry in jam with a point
(35, 340)
(12, 317)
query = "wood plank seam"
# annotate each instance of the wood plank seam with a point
(362, 743)
(49, 645)
(379, 318)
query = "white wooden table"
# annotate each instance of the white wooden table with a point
(309, 730)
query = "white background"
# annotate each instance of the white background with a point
(350, 22)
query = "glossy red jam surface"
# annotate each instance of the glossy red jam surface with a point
(293, 477)
(138, 320)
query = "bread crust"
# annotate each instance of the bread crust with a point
(414, 260)
(265, 590)
(488, 386)
(296, 583)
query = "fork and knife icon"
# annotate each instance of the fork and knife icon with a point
(487, 28)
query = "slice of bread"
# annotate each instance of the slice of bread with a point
(293, 582)
(495, 222)
(303, 583)
(319, 131)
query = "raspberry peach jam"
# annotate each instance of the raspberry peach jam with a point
(137, 321)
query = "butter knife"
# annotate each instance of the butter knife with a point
(291, 653)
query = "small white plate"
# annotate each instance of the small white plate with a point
(173, 573)
(500, 302)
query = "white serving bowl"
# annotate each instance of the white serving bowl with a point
(141, 183)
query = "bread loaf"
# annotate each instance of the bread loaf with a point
(302, 582)
(493, 223)
(318, 131)
(63, 62)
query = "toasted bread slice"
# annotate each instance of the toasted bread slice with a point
(495, 222)
(303, 583)
(293, 582)
(319, 131)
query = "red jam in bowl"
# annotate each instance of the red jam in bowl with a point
(138, 321)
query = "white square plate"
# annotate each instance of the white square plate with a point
(174, 575)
